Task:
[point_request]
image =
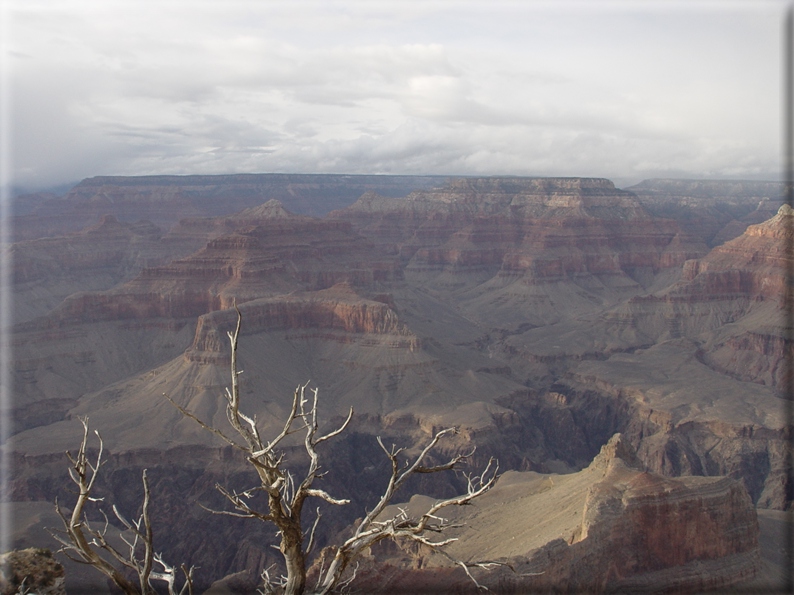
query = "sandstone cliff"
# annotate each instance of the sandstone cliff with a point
(507, 241)
(612, 527)
(45, 271)
(730, 302)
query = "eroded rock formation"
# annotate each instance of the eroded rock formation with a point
(608, 528)
(730, 302)
(164, 200)
(546, 228)
(714, 210)
(322, 313)
(540, 316)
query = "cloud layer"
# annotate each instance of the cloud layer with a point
(622, 90)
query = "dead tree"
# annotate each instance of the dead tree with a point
(286, 497)
(90, 542)
(402, 526)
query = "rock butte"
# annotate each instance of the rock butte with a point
(541, 315)
(606, 528)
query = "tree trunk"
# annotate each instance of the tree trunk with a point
(292, 549)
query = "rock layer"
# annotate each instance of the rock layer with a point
(323, 312)
(546, 228)
(264, 251)
(612, 527)
(164, 200)
(714, 210)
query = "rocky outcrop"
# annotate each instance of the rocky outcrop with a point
(611, 528)
(31, 570)
(265, 251)
(336, 314)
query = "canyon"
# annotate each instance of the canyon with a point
(540, 316)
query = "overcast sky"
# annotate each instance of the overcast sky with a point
(625, 90)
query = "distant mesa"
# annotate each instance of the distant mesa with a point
(528, 197)
(164, 200)
(543, 229)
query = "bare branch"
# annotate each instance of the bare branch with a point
(346, 583)
(87, 543)
(310, 545)
(466, 570)
(338, 431)
(290, 419)
(403, 526)
(286, 493)
(215, 431)
(325, 496)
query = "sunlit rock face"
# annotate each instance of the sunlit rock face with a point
(730, 301)
(611, 528)
(753, 264)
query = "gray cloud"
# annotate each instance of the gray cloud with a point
(612, 89)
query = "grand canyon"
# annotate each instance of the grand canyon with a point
(621, 352)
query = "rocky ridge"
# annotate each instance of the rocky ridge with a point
(322, 313)
(730, 302)
(266, 252)
(715, 210)
(164, 200)
(604, 529)
(31, 571)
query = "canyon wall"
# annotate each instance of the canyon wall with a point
(537, 315)
(164, 200)
(605, 529)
